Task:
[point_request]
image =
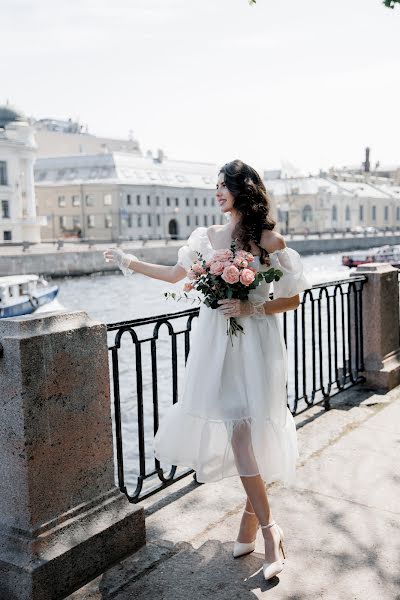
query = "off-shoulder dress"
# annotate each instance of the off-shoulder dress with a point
(232, 416)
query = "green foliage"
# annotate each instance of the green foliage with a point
(388, 3)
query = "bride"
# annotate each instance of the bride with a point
(232, 417)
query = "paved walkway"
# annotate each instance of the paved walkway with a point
(341, 521)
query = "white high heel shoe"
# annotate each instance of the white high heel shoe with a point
(272, 569)
(242, 548)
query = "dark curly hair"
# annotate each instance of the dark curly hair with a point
(251, 200)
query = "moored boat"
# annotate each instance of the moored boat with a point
(385, 254)
(23, 294)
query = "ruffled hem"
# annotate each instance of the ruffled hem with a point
(263, 447)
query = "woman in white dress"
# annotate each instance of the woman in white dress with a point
(232, 417)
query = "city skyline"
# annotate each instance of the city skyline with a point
(309, 85)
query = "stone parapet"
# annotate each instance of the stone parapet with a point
(62, 519)
(381, 341)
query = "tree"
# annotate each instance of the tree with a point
(388, 3)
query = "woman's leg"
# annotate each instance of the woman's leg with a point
(257, 499)
(257, 495)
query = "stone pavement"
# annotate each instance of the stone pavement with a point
(341, 521)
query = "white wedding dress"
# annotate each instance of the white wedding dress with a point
(232, 416)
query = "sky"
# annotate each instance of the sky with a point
(305, 82)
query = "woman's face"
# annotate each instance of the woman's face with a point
(224, 197)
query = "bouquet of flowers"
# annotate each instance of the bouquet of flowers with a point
(226, 274)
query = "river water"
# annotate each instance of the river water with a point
(115, 298)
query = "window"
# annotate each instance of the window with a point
(196, 220)
(205, 220)
(361, 213)
(91, 221)
(213, 201)
(188, 220)
(3, 173)
(5, 209)
(76, 201)
(149, 220)
(158, 220)
(107, 198)
(130, 220)
(334, 213)
(138, 199)
(187, 201)
(108, 221)
(7, 236)
(62, 221)
(373, 213)
(397, 213)
(76, 222)
(148, 201)
(221, 219)
(176, 201)
(128, 199)
(204, 201)
(307, 214)
(139, 220)
(347, 215)
(61, 201)
(213, 219)
(386, 213)
(167, 201)
(89, 200)
(196, 201)
(157, 200)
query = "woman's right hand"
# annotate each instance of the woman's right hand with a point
(119, 257)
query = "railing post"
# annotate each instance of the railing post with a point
(62, 519)
(380, 308)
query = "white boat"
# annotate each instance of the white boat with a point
(23, 294)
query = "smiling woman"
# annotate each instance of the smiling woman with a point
(232, 417)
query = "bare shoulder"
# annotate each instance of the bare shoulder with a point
(272, 240)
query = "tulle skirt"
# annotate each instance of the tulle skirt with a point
(232, 416)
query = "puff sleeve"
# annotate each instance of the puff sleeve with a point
(197, 242)
(293, 280)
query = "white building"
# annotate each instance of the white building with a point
(322, 204)
(18, 219)
(116, 195)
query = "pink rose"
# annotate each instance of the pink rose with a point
(247, 276)
(187, 287)
(191, 274)
(240, 262)
(230, 274)
(208, 263)
(227, 263)
(246, 255)
(198, 269)
(216, 268)
(223, 254)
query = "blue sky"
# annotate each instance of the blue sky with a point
(308, 82)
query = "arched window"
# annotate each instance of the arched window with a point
(307, 214)
(173, 228)
(347, 213)
(334, 212)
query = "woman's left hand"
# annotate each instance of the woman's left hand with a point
(235, 308)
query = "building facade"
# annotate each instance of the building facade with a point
(18, 219)
(318, 204)
(118, 195)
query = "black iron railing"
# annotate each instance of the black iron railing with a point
(325, 356)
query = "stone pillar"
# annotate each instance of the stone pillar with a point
(381, 325)
(62, 519)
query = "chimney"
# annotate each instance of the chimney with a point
(366, 164)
